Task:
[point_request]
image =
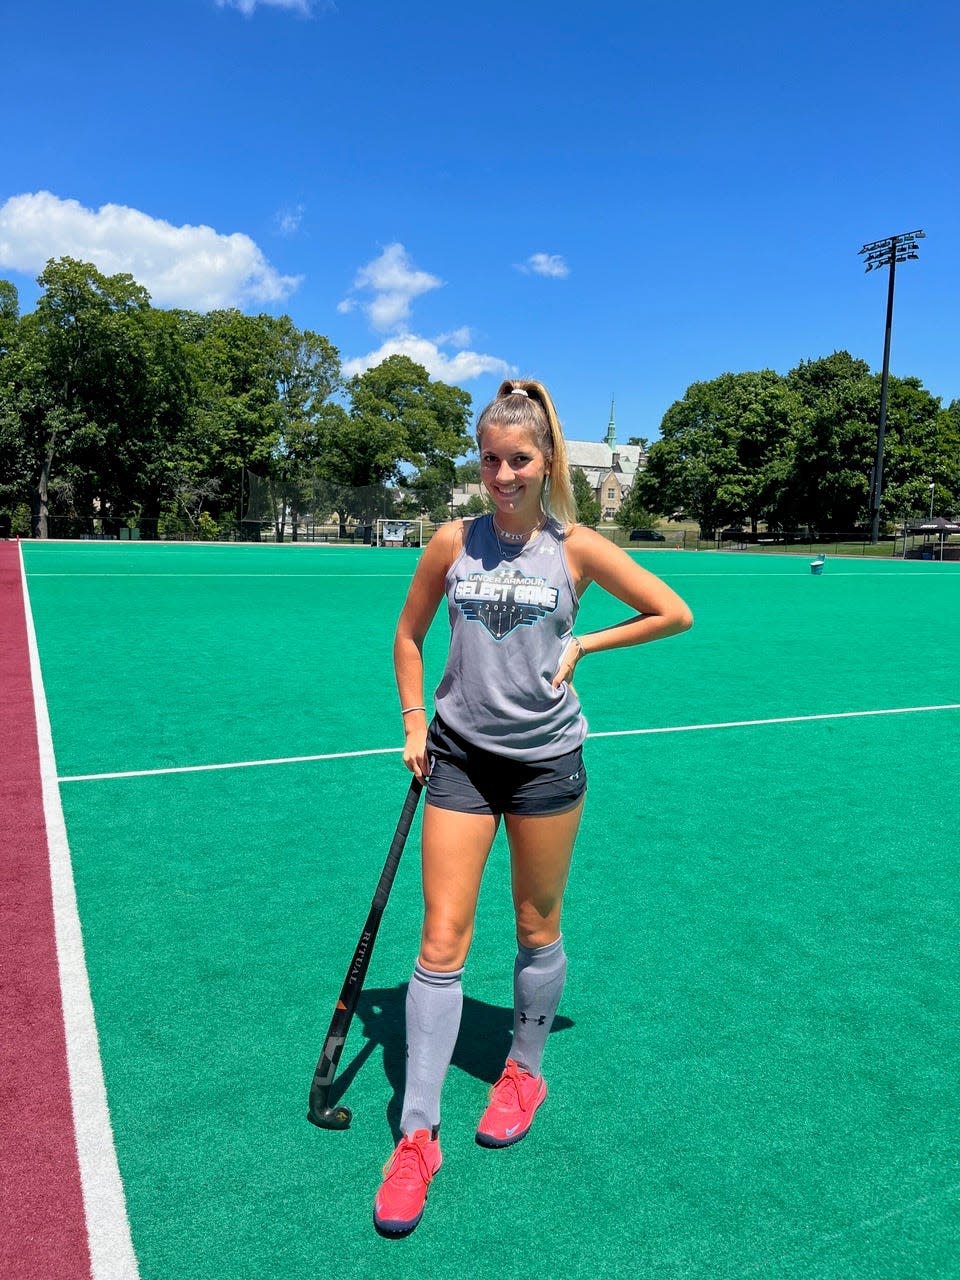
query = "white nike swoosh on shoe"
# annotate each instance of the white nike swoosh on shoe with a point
(510, 1132)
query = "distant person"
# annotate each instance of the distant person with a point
(504, 742)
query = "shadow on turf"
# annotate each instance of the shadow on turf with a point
(485, 1034)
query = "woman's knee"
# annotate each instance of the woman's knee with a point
(534, 929)
(444, 944)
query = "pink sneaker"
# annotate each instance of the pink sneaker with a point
(513, 1103)
(406, 1175)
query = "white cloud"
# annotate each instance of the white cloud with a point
(188, 266)
(247, 7)
(459, 338)
(394, 282)
(459, 368)
(552, 265)
(288, 220)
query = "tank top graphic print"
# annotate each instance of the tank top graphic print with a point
(511, 612)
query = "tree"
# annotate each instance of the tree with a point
(398, 417)
(633, 515)
(830, 478)
(922, 448)
(433, 487)
(427, 420)
(829, 482)
(9, 315)
(588, 508)
(263, 388)
(14, 455)
(477, 505)
(91, 390)
(723, 450)
(237, 417)
(306, 370)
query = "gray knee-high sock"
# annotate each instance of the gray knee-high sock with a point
(538, 978)
(434, 1004)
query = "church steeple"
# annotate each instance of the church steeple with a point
(611, 438)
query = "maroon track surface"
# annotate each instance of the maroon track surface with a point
(43, 1233)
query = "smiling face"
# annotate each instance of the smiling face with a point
(513, 469)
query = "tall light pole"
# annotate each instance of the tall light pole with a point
(886, 253)
(932, 488)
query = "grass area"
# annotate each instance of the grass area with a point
(763, 945)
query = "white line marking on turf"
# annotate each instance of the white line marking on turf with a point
(112, 1255)
(225, 577)
(234, 764)
(921, 576)
(747, 724)
(608, 733)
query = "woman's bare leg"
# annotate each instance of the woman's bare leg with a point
(455, 851)
(540, 853)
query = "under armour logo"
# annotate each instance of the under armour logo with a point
(539, 1021)
(505, 600)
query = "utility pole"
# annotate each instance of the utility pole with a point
(886, 253)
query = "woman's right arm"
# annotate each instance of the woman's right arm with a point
(423, 598)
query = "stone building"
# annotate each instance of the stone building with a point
(609, 467)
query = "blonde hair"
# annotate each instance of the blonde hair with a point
(535, 410)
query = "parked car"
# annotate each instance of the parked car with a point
(646, 535)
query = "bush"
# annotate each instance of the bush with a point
(476, 505)
(632, 516)
(20, 522)
(207, 528)
(170, 524)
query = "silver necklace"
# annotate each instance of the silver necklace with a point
(504, 536)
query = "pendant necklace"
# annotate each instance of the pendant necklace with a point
(515, 541)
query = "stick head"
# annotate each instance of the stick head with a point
(338, 1117)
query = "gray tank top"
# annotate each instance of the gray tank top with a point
(511, 616)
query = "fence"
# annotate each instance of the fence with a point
(316, 525)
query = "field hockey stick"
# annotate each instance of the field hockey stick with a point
(320, 1112)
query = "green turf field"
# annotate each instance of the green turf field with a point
(756, 1068)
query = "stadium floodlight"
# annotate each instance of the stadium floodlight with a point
(886, 253)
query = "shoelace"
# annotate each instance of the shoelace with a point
(511, 1076)
(407, 1162)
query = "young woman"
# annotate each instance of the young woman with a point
(504, 742)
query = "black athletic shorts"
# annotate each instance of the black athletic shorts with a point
(470, 780)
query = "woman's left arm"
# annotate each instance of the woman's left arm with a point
(660, 612)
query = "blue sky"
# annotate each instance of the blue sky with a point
(617, 198)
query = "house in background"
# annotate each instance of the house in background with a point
(461, 495)
(609, 467)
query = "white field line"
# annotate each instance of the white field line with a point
(893, 572)
(223, 576)
(609, 733)
(749, 724)
(922, 576)
(234, 764)
(112, 1255)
